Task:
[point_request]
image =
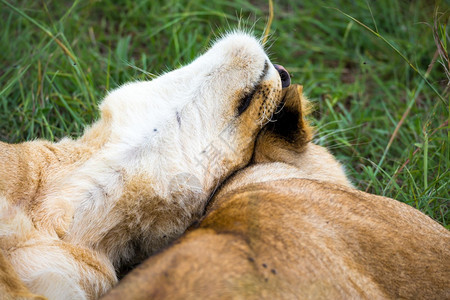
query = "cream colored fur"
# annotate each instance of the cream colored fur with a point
(71, 212)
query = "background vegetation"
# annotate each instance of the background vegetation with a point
(375, 111)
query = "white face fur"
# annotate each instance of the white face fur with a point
(172, 140)
(172, 124)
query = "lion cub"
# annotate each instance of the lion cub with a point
(73, 211)
(290, 226)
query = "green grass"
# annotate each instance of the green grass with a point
(58, 59)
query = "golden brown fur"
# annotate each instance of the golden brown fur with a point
(31, 225)
(290, 226)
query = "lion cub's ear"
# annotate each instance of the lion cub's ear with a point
(288, 129)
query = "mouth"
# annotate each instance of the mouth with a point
(247, 98)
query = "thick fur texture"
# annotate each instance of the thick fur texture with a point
(12, 287)
(290, 226)
(72, 212)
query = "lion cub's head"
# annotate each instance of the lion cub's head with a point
(197, 123)
(169, 142)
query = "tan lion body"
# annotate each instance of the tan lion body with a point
(291, 226)
(74, 211)
(32, 226)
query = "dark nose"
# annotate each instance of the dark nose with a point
(284, 75)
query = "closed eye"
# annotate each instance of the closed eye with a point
(245, 101)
